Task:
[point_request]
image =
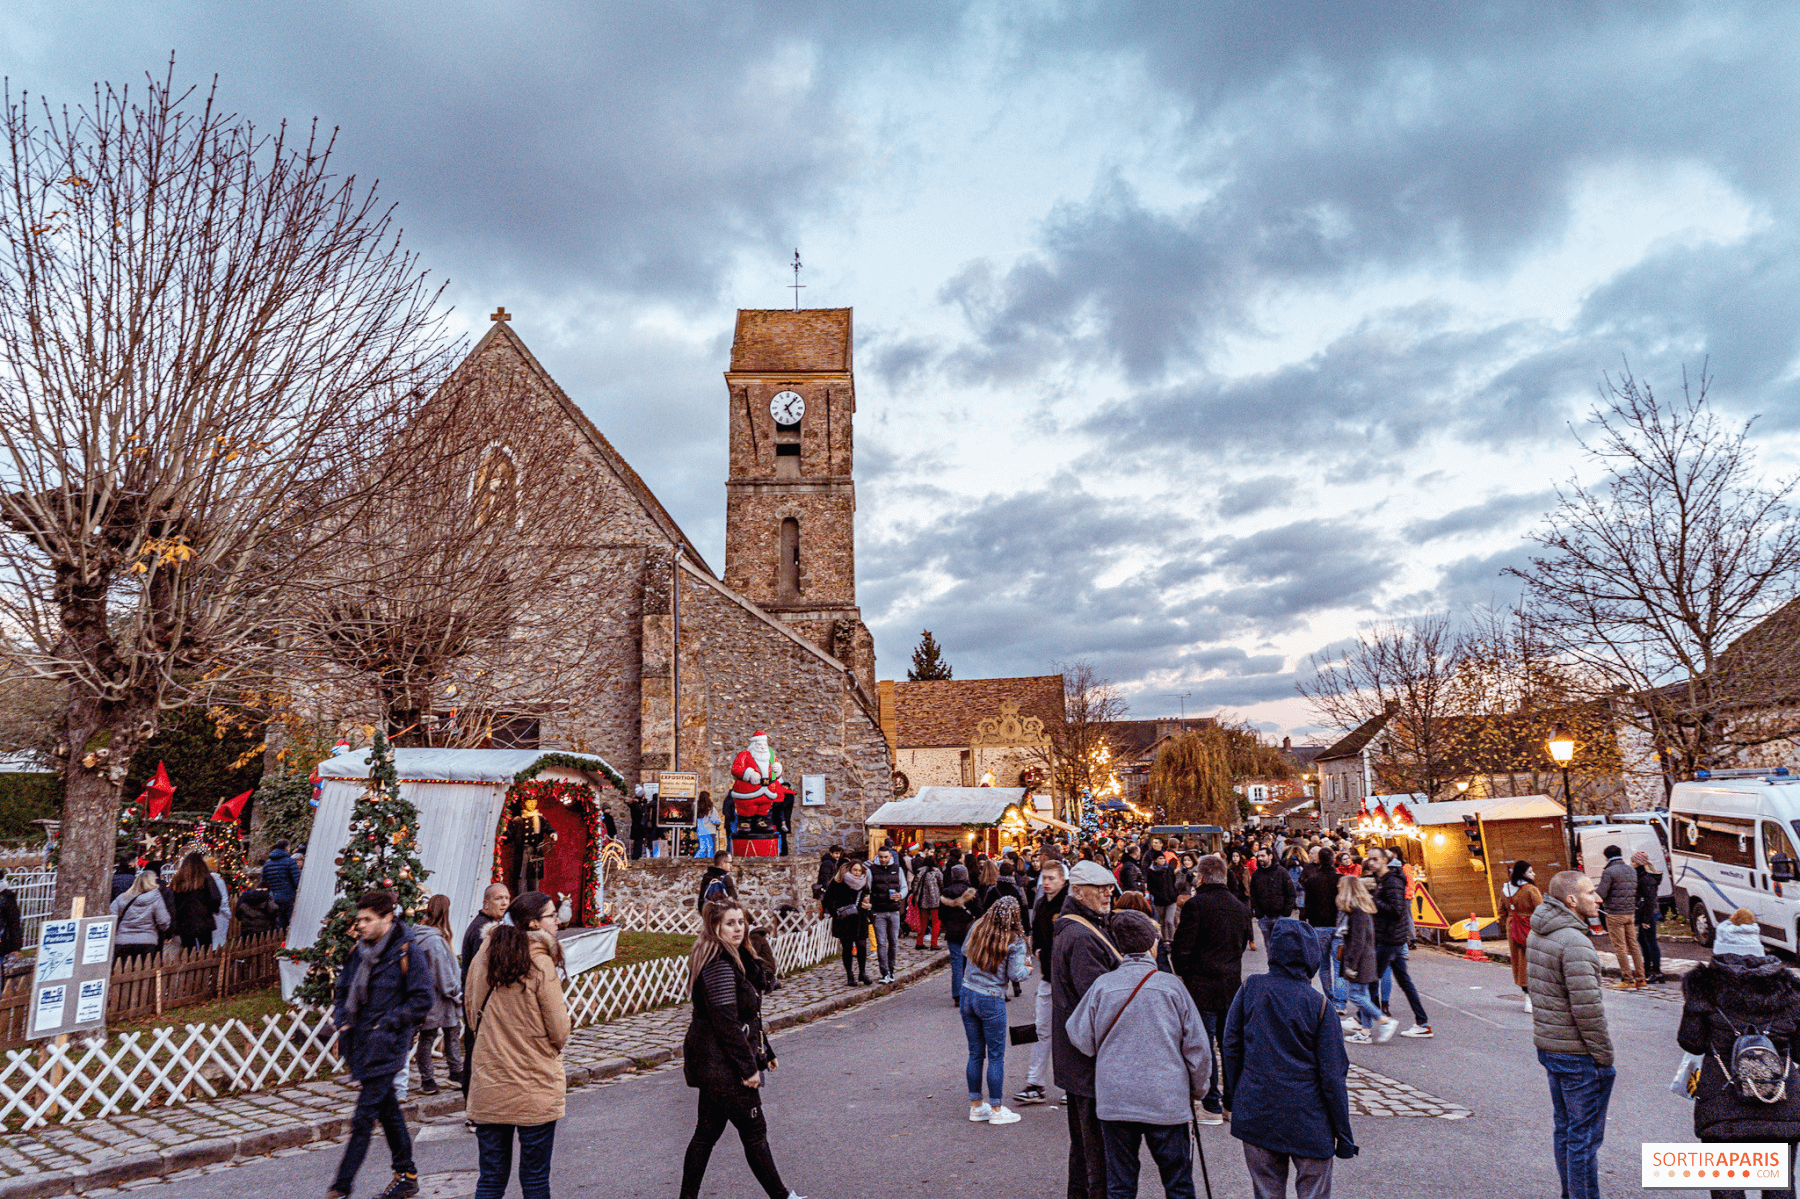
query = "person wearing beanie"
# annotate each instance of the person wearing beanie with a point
(1739, 935)
(1649, 911)
(1152, 1059)
(1617, 890)
(1521, 900)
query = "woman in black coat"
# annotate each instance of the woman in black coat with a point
(1731, 995)
(196, 903)
(847, 903)
(725, 1054)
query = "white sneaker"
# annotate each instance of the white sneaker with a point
(1528, 1005)
(1004, 1115)
(1207, 1117)
(1419, 1030)
(1350, 1025)
(981, 1114)
(1384, 1031)
(1359, 1037)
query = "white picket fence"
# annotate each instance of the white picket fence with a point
(36, 892)
(91, 1078)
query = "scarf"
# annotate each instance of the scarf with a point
(369, 955)
(855, 883)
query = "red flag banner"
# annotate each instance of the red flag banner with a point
(159, 794)
(231, 809)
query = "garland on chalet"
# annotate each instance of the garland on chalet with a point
(551, 792)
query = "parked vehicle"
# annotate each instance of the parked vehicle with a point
(1592, 840)
(1732, 847)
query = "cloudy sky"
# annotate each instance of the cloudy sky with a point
(1189, 337)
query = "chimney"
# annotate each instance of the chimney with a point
(1167, 728)
(1287, 743)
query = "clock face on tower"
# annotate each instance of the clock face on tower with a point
(787, 407)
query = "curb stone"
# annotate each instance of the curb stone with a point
(116, 1171)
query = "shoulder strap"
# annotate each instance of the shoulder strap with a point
(1115, 1020)
(1104, 940)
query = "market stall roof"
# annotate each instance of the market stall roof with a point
(1032, 817)
(466, 765)
(1184, 830)
(941, 807)
(1495, 807)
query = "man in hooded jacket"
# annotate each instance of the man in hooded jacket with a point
(1293, 1108)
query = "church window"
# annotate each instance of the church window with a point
(790, 559)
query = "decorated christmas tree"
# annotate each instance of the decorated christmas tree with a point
(380, 854)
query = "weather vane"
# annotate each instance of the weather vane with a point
(796, 285)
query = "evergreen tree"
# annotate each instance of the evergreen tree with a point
(928, 660)
(380, 854)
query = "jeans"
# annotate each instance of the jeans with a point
(928, 919)
(1330, 981)
(1039, 1073)
(1368, 1011)
(1166, 915)
(1269, 1171)
(284, 911)
(1087, 1149)
(1393, 957)
(1264, 925)
(984, 1023)
(858, 949)
(376, 1101)
(1215, 1099)
(1623, 931)
(747, 1114)
(956, 972)
(1169, 1149)
(453, 1063)
(495, 1145)
(1647, 942)
(1579, 1091)
(887, 940)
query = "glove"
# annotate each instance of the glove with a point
(1345, 1149)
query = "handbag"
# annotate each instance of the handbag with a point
(1687, 1076)
(1021, 1034)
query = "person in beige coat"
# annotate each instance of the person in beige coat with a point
(514, 1003)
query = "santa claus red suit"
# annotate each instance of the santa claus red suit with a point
(755, 790)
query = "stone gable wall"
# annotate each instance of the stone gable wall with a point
(763, 884)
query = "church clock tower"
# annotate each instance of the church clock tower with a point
(790, 502)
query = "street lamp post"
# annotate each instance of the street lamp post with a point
(1562, 748)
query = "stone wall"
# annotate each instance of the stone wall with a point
(763, 884)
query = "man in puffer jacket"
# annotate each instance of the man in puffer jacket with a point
(1271, 894)
(1568, 1025)
(1742, 989)
(1618, 903)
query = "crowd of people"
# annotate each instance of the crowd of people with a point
(194, 906)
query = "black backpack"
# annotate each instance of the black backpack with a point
(1758, 1071)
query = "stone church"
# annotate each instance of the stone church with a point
(678, 666)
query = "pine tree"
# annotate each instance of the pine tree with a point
(380, 854)
(928, 660)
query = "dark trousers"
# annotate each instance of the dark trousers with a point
(285, 911)
(1215, 1100)
(495, 1144)
(1579, 1093)
(1393, 957)
(1647, 942)
(374, 1102)
(858, 949)
(453, 1057)
(1169, 1149)
(753, 1131)
(1087, 1149)
(1784, 1193)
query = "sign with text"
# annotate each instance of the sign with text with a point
(1732, 1166)
(68, 985)
(812, 790)
(676, 792)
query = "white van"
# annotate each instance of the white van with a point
(1592, 840)
(1732, 846)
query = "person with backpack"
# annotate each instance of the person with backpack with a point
(1649, 912)
(281, 875)
(432, 937)
(997, 954)
(380, 997)
(1151, 1060)
(521, 1024)
(1741, 1016)
(725, 1054)
(959, 905)
(928, 885)
(1568, 1027)
(1520, 899)
(1285, 1069)
(715, 881)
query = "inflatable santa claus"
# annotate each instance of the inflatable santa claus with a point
(756, 788)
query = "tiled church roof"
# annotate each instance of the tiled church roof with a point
(783, 339)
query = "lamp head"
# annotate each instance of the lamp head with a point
(1561, 744)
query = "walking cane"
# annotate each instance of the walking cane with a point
(1200, 1150)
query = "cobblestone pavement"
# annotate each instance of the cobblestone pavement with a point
(169, 1143)
(1373, 1094)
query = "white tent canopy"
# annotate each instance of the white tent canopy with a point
(943, 807)
(1494, 807)
(459, 794)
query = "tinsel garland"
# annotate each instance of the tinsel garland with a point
(547, 792)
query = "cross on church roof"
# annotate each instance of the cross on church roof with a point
(500, 315)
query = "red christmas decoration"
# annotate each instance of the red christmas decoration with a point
(158, 794)
(231, 809)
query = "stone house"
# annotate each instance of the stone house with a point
(956, 732)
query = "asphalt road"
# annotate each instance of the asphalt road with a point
(871, 1104)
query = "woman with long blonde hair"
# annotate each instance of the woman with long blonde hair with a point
(1356, 958)
(725, 1052)
(997, 955)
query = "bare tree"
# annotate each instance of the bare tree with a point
(206, 337)
(1650, 575)
(1406, 670)
(1081, 748)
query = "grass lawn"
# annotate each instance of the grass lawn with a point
(641, 947)
(248, 1006)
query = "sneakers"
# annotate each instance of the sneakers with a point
(982, 1114)
(1004, 1115)
(1206, 1117)
(1031, 1094)
(1359, 1037)
(428, 1087)
(1350, 1025)
(1528, 1005)
(404, 1186)
(1624, 984)
(1418, 1030)
(1384, 1031)
(887, 978)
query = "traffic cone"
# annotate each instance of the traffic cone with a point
(1474, 952)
